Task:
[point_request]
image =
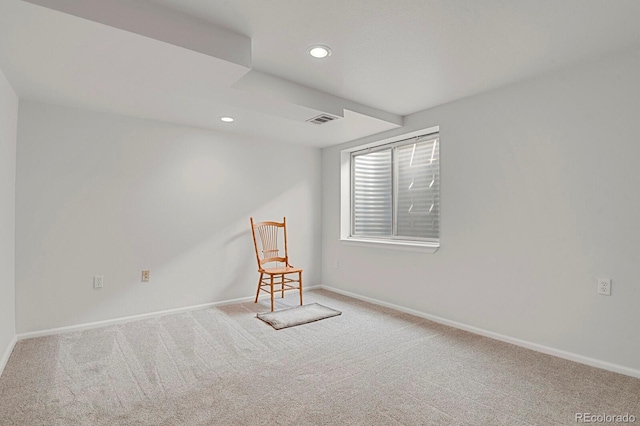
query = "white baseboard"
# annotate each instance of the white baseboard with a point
(497, 336)
(121, 320)
(7, 354)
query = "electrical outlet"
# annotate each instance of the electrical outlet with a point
(98, 281)
(337, 264)
(145, 276)
(604, 286)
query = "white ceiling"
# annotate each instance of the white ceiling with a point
(192, 61)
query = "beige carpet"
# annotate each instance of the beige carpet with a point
(369, 366)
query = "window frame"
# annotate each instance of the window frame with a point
(347, 194)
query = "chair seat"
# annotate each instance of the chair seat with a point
(285, 270)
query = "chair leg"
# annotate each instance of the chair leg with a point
(282, 281)
(258, 292)
(271, 282)
(300, 284)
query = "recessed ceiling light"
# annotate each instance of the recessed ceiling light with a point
(319, 51)
(226, 119)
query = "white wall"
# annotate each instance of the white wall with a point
(540, 195)
(111, 195)
(8, 125)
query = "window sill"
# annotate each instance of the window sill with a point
(393, 244)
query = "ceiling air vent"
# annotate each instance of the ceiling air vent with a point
(321, 119)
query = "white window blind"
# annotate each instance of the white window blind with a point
(372, 194)
(417, 201)
(396, 190)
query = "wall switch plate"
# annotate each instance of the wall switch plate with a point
(98, 281)
(145, 276)
(604, 286)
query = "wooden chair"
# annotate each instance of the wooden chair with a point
(268, 235)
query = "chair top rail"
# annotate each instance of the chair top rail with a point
(268, 223)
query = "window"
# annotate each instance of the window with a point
(393, 192)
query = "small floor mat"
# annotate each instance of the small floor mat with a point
(291, 317)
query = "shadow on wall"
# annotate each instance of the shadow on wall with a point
(237, 260)
(223, 266)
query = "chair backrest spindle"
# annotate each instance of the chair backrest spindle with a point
(269, 238)
(267, 233)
